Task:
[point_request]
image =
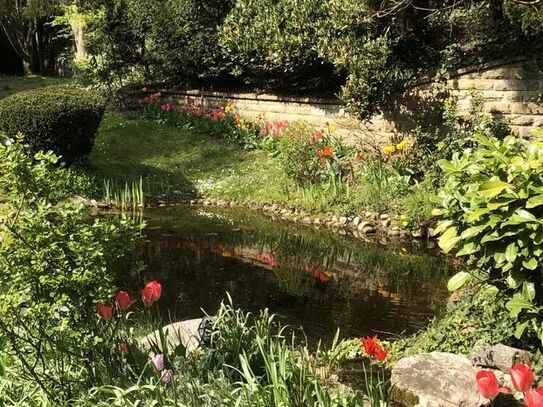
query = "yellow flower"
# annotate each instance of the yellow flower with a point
(389, 149)
(402, 144)
(230, 107)
(331, 127)
(242, 124)
(440, 145)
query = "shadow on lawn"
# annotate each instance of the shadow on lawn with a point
(168, 159)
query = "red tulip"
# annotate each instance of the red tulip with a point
(373, 348)
(123, 300)
(380, 354)
(487, 384)
(522, 377)
(151, 293)
(534, 397)
(104, 310)
(369, 345)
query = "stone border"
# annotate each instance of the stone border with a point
(366, 225)
(361, 226)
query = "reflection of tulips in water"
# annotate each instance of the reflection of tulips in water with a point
(318, 273)
(267, 258)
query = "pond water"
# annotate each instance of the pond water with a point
(312, 279)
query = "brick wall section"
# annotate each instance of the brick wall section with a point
(513, 90)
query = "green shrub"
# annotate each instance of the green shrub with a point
(55, 262)
(296, 157)
(62, 119)
(272, 36)
(491, 209)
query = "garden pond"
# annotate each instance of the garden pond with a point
(310, 278)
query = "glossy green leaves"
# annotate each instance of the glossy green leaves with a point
(491, 213)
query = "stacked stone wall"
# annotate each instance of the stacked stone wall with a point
(512, 90)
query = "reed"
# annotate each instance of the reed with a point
(126, 197)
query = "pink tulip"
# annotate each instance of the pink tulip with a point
(534, 397)
(166, 376)
(487, 384)
(158, 361)
(522, 377)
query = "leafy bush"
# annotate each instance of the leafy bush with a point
(490, 212)
(354, 42)
(138, 40)
(55, 262)
(449, 131)
(62, 119)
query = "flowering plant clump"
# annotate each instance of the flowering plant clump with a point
(395, 148)
(150, 294)
(522, 379)
(219, 121)
(373, 348)
(313, 156)
(118, 332)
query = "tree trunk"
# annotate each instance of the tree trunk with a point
(19, 41)
(80, 48)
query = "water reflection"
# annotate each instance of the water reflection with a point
(310, 278)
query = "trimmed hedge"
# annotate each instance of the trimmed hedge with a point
(64, 119)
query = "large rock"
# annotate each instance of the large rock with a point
(436, 379)
(186, 333)
(501, 357)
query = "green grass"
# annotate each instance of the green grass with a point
(178, 160)
(14, 84)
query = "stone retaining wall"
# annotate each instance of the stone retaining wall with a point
(514, 90)
(274, 107)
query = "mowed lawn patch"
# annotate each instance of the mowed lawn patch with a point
(183, 160)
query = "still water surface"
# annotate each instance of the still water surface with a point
(312, 279)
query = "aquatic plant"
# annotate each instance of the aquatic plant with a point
(129, 196)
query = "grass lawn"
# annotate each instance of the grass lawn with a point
(179, 160)
(13, 84)
(181, 163)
